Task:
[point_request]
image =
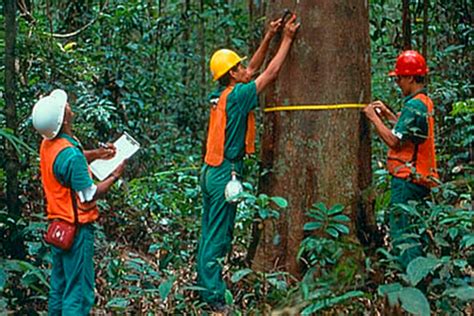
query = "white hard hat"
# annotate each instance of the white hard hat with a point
(48, 113)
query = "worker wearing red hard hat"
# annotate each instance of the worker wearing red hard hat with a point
(411, 157)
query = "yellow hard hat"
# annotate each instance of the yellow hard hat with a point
(222, 61)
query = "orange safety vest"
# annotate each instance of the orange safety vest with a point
(58, 197)
(216, 134)
(416, 162)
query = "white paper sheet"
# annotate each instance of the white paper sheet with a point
(126, 146)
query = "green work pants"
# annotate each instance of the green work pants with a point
(72, 276)
(217, 229)
(403, 191)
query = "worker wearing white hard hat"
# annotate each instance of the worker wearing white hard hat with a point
(48, 113)
(71, 202)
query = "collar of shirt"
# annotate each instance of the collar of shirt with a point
(217, 93)
(73, 140)
(411, 96)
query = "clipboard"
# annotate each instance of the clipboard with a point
(126, 146)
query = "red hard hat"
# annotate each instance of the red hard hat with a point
(410, 63)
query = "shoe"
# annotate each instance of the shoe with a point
(221, 309)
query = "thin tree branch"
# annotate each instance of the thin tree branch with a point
(57, 35)
(25, 13)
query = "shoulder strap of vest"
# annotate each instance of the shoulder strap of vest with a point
(421, 95)
(73, 195)
(415, 155)
(74, 207)
(208, 125)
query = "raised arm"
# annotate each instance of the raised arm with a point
(257, 59)
(271, 72)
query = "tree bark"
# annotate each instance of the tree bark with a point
(317, 156)
(425, 29)
(406, 25)
(185, 15)
(202, 51)
(12, 165)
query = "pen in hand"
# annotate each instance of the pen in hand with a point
(108, 151)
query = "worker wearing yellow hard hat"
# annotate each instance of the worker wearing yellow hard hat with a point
(222, 61)
(231, 135)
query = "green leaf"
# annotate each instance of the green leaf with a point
(441, 241)
(336, 209)
(419, 268)
(460, 263)
(276, 239)
(3, 306)
(317, 215)
(194, 288)
(118, 303)
(3, 279)
(467, 241)
(237, 276)
(119, 83)
(331, 231)
(34, 248)
(392, 291)
(320, 206)
(465, 293)
(452, 48)
(165, 288)
(278, 284)
(247, 186)
(453, 232)
(320, 304)
(281, 202)
(408, 208)
(389, 288)
(263, 213)
(17, 142)
(340, 227)
(28, 269)
(414, 301)
(229, 298)
(342, 218)
(312, 226)
(406, 246)
(154, 248)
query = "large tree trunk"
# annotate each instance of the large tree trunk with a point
(15, 245)
(318, 155)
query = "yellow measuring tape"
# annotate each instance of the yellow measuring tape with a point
(314, 107)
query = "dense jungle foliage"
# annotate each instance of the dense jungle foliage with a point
(142, 66)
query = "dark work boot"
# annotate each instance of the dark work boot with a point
(221, 309)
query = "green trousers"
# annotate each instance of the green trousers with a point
(72, 276)
(403, 191)
(217, 229)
